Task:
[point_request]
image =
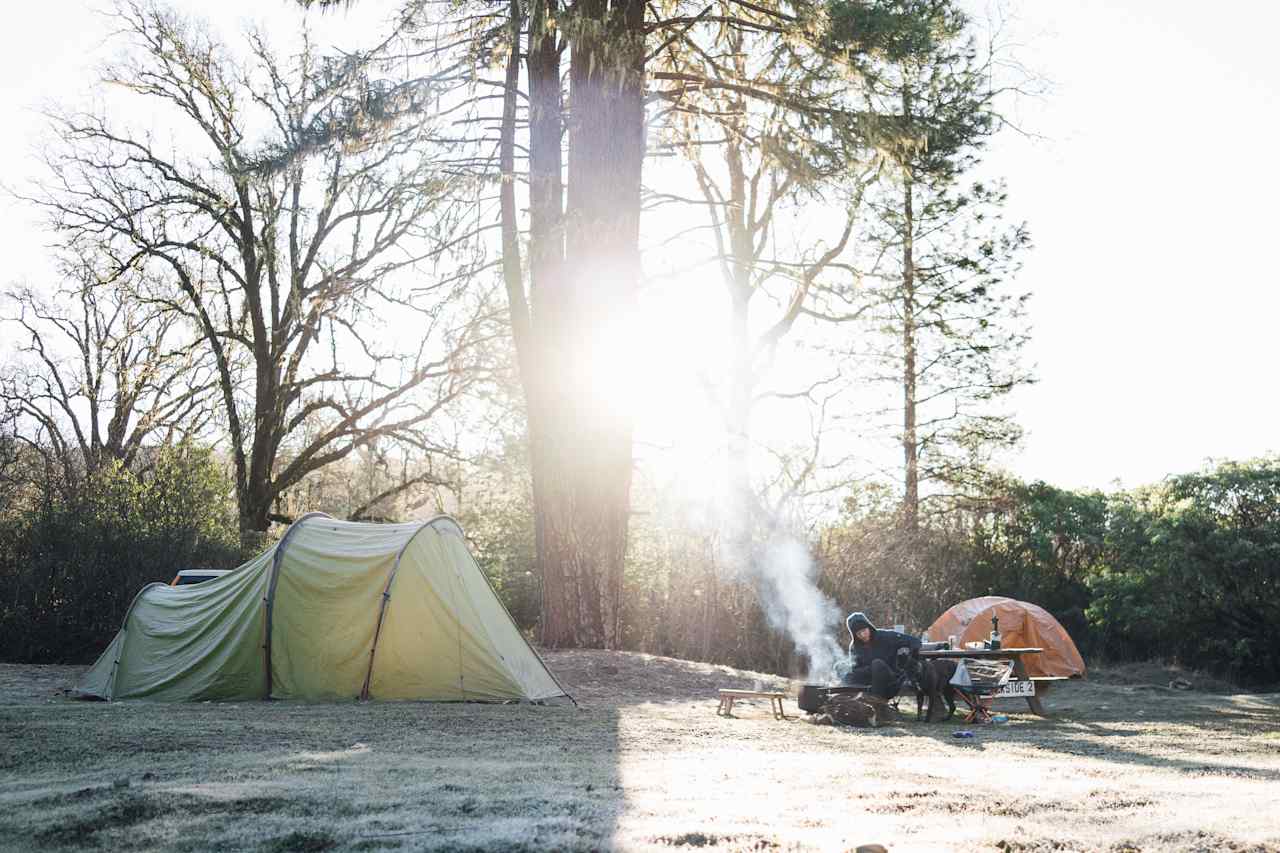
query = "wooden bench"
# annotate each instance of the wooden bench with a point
(979, 701)
(727, 698)
(1042, 684)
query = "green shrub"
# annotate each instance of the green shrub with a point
(71, 567)
(1195, 573)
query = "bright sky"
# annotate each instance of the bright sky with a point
(1151, 210)
(1155, 293)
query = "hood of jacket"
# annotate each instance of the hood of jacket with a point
(856, 622)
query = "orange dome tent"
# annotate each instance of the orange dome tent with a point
(1021, 625)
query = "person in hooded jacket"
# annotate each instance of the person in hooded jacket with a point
(879, 656)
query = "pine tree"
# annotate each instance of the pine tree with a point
(950, 325)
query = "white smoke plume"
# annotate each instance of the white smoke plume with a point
(786, 581)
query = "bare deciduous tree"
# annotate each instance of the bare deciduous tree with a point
(100, 377)
(290, 249)
(770, 129)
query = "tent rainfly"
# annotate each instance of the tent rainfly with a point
(334, 610)
(1021, 624)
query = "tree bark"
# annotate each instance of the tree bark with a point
(584, 271)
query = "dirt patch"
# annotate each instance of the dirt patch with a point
(625, 678)
(719, 842)
(644, 763)
(1195, 841)
(1161, 676)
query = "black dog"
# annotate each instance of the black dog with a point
(933, 687)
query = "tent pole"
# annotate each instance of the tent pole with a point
(124, 629)
(386, 596)
(270, 600)
(528, 644)
(382, 607)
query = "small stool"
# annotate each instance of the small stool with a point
(727, 697)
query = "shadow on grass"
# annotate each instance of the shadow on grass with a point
(306, 777)
(1068, 733)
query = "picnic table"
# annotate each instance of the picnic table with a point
(1021, 685)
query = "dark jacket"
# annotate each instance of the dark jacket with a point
(883, 646)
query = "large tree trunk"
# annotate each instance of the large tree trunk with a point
(258, 492)
(583, 296)
(255, 521)
(910, 437)
(742, 378)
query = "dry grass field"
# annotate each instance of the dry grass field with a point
(644, 763)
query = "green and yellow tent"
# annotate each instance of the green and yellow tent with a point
(334, 610)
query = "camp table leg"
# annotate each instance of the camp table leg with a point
(1033, 701)
(726, 705)
(776, 703)
(979, 712)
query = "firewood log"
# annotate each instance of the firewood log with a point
(859, 709)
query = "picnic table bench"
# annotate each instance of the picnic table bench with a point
(1035, 686)
(728, 696)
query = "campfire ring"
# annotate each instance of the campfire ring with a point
(813, 696)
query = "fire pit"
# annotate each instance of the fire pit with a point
(813, 696)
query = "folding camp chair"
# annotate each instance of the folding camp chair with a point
(976, 683)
